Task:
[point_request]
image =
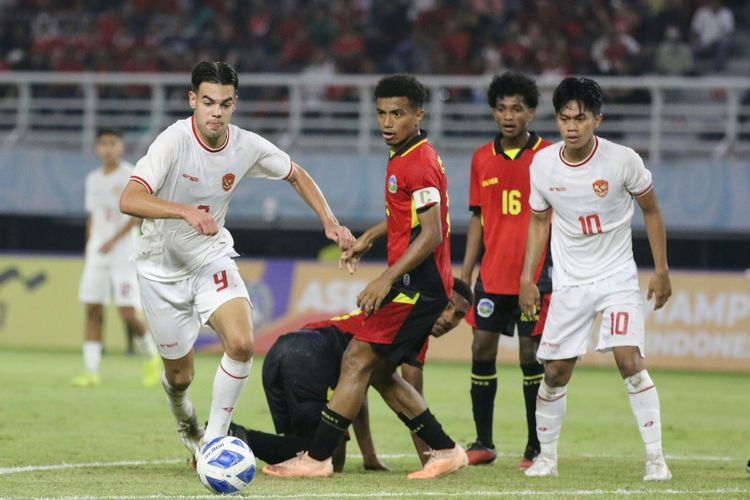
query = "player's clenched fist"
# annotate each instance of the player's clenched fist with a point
(528, 298)
(201, 221)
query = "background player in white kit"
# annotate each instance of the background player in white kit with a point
(182, 189)
(589, 183)
(108, 270)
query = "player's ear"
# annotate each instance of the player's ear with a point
(598, 119)
(192, 99)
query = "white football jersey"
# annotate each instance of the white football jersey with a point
(179, 167)
(102, 200)
(592, 208)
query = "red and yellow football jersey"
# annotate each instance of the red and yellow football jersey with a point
(499, 189)
(415, 181)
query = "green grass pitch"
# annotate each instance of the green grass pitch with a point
(118, 440)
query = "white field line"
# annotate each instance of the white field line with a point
(697, 458)
(426, 494)
(34, 468)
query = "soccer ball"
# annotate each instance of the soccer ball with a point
(225, 465)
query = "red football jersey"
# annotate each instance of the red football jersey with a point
(415, 180)
(349, 325)
(500, 188)
(346, 323)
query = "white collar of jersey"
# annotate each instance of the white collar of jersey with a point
(203, 145)
(580, 163)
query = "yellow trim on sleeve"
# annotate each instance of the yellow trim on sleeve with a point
(402, 298)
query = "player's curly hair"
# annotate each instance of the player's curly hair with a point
(213, 72)
(585, 91)
(513, 83)
(401, 85)
(463, 289)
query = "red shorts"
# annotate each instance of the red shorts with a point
(398, 329)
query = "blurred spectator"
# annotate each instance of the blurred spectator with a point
(712, 26)
(539, 37)
(616, 53)
(673, 56)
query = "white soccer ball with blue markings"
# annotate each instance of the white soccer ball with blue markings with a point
(225, 465)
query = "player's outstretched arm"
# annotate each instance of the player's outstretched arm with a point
(473, 247)
(528, 295)
(310, 192)
(138, 202)
(361, 426)
(660, 286)
(350, 258)
(430, 236)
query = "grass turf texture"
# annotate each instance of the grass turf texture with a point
(127, 436)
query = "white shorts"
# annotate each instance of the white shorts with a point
(103, 281)
(176, 310)
(573, 311)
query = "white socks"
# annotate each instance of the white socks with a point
(644, 400)
(145, 344)
(179, 402)
(228, 383)
(92, 356)
(551, 404)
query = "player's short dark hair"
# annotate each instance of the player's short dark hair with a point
(214, 72)
(513, 83)
(401, 85)
(108, 131)
(585, 91)
(463, 289)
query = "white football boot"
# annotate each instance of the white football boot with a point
(656, 468)
(544, 465)
(191, 431)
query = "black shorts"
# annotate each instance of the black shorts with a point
(501, 313)
(398, 330)
(299, 371)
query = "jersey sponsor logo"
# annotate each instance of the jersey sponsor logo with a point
(392, 184)
(490, 182)
(485, 308)
(557, 189)
(227, 182)
(191, 178)
(601, 188)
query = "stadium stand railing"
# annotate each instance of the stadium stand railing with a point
(663, 118)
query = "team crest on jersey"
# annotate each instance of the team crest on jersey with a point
(601, 188)
(392, 184)
(406, 280)
(485, 308)
(227, 182)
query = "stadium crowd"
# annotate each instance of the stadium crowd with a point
(611, 37)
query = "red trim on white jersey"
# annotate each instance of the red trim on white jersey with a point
(142, 181)
(582, 162)
(539, 211)
(291, 170)
(197, 138)
(649, 188)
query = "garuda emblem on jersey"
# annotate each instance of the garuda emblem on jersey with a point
(227, 182)
(601, 188)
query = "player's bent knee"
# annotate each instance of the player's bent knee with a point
(240, 347)
(180, 379)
